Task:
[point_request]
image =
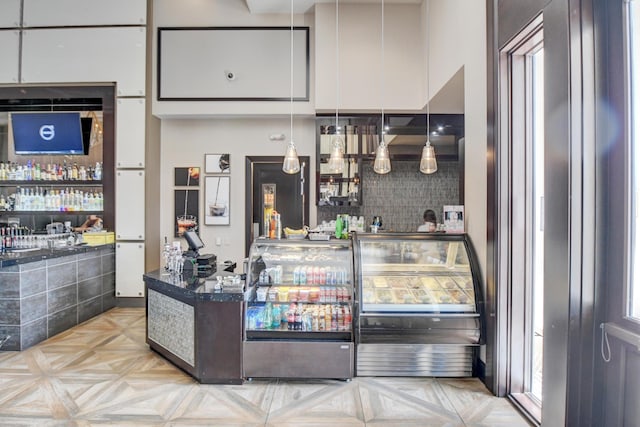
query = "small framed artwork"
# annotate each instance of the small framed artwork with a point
(187, 177)
(216, 200)
(186, 211)
(217, 163)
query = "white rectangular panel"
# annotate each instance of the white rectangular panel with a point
(130, 211)
(232, 64)
(9, 14)
(129, 269)
(130, 133)
(10, 48)
(58, 13)
(86, 55)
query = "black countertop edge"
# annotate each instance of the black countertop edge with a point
(11, 258)
(190, 289)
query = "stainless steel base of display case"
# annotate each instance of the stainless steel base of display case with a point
(282, 359)
(415, 360)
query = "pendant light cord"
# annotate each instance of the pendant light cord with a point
(382, 79)
(428, 66)
(291, 71)
(337, 68)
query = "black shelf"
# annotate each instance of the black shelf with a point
(53, 212)
(284, 334)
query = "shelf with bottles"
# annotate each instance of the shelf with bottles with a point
(32, 171)
(51, 183)
(328, 320)
(47, 200)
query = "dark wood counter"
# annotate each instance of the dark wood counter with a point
(197, 328)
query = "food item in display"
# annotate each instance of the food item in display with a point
(293, 294)
(404, 297)
(384, 296)
(414, 283)
(283, 294)
(458, 296)
(379, 282)
(422, 296)
(447, 283)
(368, 296)
(303, 295)
(398, 282)
(430, 283)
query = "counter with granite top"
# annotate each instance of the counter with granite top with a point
(196, 326)
(46, 291)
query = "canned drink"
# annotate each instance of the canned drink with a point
(303, 276)
(333, 297)
(323, 276)
(296, 275)
(329, 276)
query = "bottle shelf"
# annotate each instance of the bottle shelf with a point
(53, 212)
(41, 183)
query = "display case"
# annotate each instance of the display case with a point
(419, 305)
(298, 317)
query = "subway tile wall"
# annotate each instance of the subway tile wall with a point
(401, 196)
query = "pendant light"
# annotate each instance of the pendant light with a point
(291, 163)
(428, 162)
(382, 162)
(336, 159)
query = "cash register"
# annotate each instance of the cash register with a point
(195, 262)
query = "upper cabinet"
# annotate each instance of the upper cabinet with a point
(10, 48)
(86, 55)
(360, 65)
(59, 13)
(9, 14)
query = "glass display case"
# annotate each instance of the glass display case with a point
(299, 309)
(419, 305)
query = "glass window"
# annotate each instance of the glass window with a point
(633, 68)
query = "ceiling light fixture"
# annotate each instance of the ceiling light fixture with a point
(291, 163)
(428, 162)
(382, 162)
(336, 159)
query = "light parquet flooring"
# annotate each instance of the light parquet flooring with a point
(102, 373)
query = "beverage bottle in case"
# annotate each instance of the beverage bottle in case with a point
(327, 317)
(321, 319)
(291, 317)
(334, 318)
(348, 318)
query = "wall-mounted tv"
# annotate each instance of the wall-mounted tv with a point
(47, 133)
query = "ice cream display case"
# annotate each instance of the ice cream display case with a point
(299, 305)
(419, 307)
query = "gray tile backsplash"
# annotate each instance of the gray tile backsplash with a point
(401, 196)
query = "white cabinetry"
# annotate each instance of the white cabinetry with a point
(130, 210)
(59, 13)
(129, 269)
(9, 46)
(360, 61)
(130, 133)
(86, 55)
(9, 14)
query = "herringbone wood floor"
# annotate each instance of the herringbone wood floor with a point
(103, 373)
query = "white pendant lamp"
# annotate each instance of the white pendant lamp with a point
(428, 162)
(382, 162)
(336, 159)
(291, 163)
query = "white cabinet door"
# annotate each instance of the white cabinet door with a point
(86, 55)
(129, 269)
(130, 209)
(9, 14)
(59, 13)
(10, 48)
(130, 133)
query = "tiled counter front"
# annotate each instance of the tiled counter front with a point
(42, 298)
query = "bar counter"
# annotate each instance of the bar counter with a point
(46, 291)
(196, 327)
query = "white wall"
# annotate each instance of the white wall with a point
(458, 39)
(184, 143)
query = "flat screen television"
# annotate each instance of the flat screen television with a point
(47, 133)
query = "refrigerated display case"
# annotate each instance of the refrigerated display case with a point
(419, 305)
(299, 305)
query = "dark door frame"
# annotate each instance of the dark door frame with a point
(248, 195)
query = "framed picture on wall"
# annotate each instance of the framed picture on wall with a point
(186, 211)
(187, 177)
(217, 163)
(216, 200)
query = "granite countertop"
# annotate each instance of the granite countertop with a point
(185, 287)
(22, 256)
